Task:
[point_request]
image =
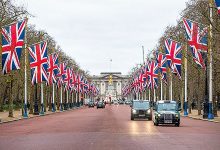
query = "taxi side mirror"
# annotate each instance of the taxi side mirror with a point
(179, 109)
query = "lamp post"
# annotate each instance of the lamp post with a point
(208, 93)
(206, 100)
(210, 113)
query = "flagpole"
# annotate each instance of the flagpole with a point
(25, 115)
(149, 95)
(171, 86)
(210, 113)
(161, 89)
(165, 93)
(42, 99)
(186, 81)
(154, 95)
(76, 99)
(72, 100)
(53, 105)
(67, 101)
(61, 97)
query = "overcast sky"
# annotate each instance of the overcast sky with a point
(95, 31)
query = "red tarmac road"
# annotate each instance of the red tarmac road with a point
(106, 129)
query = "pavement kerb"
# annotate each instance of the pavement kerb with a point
(21, 118)
(196, 118)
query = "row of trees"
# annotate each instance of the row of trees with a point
(198, 11)
(9, 12)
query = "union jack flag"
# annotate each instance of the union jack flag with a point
(141, 80)
(217, 2)
(95, 91)
(78, 83)
(73, 80)
(136, 88)
(153, 75)
(85, 86)
(52, 68)
(38, 62)
(91, 86)
(67, 79)
(162, 64)
(12, 41)
(174, 56)
(61, 74)
(197, 39)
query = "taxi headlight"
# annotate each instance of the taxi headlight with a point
(177, 115)
(134, 111)
(148, 111)
(158, 115)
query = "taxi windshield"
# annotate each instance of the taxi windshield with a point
(141, 104)
(166, 107)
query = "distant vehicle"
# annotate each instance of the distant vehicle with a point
(87, 101)
(91, 104)
(127, 102)
(100, 104)
(115, 102)
(166, 112)
(141, 109)
(121, 101)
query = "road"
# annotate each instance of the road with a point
(106, 129)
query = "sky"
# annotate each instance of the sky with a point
(94, 32)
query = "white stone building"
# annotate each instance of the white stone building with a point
(110, 84)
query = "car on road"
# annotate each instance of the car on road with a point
(86, 102)
(141, 109)
(121, 101)
(100, 104)
(91, 104)
(115, 102)
(166, 112)
(127, 102)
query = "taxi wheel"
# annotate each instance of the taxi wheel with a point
(177, 124)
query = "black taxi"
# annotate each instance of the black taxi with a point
(166, 112)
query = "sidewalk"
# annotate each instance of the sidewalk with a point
(194, 115)
(18, 115)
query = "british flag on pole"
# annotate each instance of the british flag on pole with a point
(12, 42)
(197, 39)
(78, 83)
(153, 75)
(52, 70)
(217, 2)
(61, 74)
(174, 56)
(73, 81)
(162, 64)
(141, 80)
(68, 79)
(38, 62)
(146, 69)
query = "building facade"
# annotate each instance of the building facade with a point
(110, 85)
